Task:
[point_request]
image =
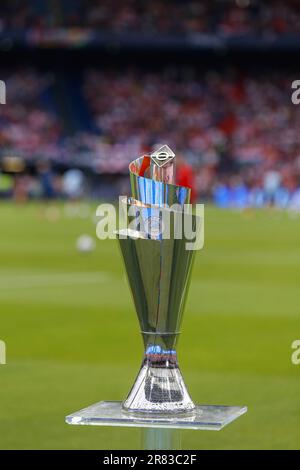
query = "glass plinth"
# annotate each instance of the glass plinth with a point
(111, 413)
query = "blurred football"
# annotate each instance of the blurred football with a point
(85, 244)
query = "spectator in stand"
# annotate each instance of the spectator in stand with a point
(225, 17)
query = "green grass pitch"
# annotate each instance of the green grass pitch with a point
(72, 336)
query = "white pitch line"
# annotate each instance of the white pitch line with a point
(55, 279)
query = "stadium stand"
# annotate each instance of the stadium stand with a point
(238, 17)
(236, 127)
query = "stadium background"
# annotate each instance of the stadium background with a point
(89, 86)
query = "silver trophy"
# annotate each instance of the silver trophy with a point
(158, 258)
(158, 269)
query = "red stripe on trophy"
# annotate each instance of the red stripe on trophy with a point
(145, 165)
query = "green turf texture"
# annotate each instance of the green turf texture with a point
(72, 335)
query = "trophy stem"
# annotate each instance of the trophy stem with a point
(159, 386)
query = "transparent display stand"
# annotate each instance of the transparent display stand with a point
(160, 431)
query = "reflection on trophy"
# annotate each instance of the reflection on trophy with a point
(158, 269)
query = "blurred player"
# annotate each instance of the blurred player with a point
(73, 184)
(46, 180)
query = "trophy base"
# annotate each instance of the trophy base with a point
(203, 417)
(159, 389)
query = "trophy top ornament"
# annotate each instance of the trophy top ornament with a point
(153, 179)
(162, 156)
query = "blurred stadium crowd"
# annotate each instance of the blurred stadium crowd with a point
(238, 131)
(157, 16)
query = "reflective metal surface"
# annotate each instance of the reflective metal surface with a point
(158, 271)
(150, 191)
